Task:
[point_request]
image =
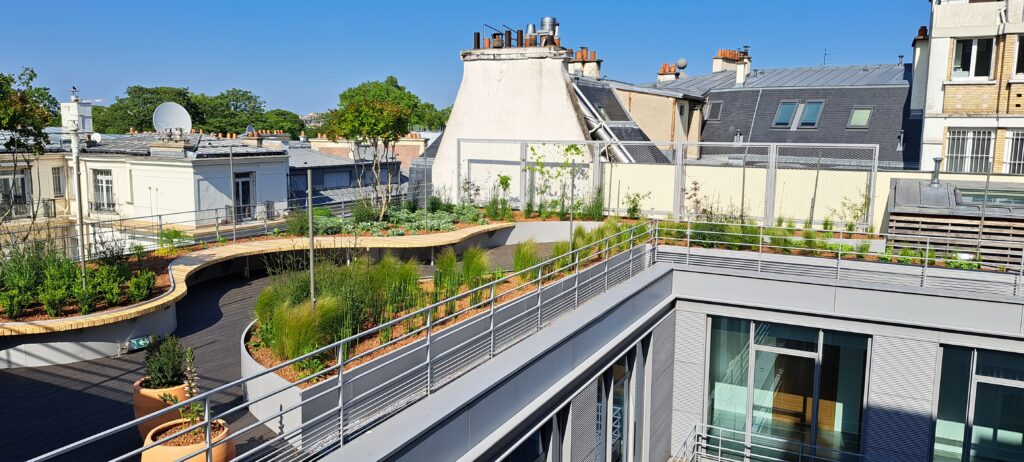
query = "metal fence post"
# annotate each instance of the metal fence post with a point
(839, 255)
(629, 258)
(760, 245)
(689, 227)
(160, 228)
(341, 394)
(216, 223)
(576, 285)
(493, 284)
(430, 317)
(769, 183)
(654, 247)
(208, 418)
(1020, 273)
(540, 293)
(607, 256)
(924, 261)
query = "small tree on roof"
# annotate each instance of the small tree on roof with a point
(374, 116)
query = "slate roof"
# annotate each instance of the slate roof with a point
(304, 157)
(803, 77)
(642, 153)
(138, 145)
(602, 97)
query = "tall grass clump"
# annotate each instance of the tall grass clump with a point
(475, 266)
(447, 280)
(524, 256)
(561, 252)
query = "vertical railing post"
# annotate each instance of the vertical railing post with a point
(1020, 273)
(629, 258)
(160, 228)
(216, 223)
(209, 420)
(924, 261)
(576, 286)
(430, 317)
(341, 394)
(760, 245)
(540, 293)
(839, 255)
(654, 249)
(493, 284)
(689, 227)
(607, 256)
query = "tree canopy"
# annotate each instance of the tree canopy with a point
(229, 111)
(25, 110)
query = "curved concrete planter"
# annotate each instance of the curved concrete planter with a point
(105, 334)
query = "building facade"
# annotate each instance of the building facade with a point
(973, 98)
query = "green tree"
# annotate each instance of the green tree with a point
(374, 115)
(280, 119)
(135, 109)
(25, 111)
(230, 111)
(428, 117)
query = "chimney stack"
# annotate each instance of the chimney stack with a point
(733, 60)
(668, 72)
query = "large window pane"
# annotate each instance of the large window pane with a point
(727, 390)
(860, 117)
(786, 336)
(783, 405)
(962, 58)
(841, 393)
(954, 391)
(812, 112)
(784, 116)
(1000, 365)
(998, 431)
(620, 412)
(983, 62)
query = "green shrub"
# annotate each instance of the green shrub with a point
(530, 207)
(436, 204)
(170, 239)
(108, 281)
(475, 266)
(312, 365)
(297, 223)
(544, 210)
(141, 285)
(827, 225)
(447, 279)
(165, 363)
(863, 249)
(562, 207)
(85, 297)
(593, 209)
(59, 279)
(953, 260)
(296, 329)
(634, 204)
(524, 256)
(363, 211)
(907, 256)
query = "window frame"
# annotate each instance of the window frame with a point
(59, 175)
(711, 104)
(109, 204)
(792, 117)
(969, 139)
(972, 66)
(867, 124)
(803, 111)
(1018, 63)
(1013, 162)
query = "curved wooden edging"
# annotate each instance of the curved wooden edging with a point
(182, 267)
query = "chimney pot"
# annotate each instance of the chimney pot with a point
(487, 43)
(593, 56)
(476, 40)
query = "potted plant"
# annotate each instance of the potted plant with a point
(193, 441)
(165, 375)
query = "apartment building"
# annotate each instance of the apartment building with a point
(969, 86)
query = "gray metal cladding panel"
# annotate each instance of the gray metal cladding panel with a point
(601, 96)
(898, 418)
(662, 358)
(688, 373)
(583, 423)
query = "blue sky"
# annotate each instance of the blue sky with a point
(299, 55)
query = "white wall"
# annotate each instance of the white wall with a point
(514, 93)
(212, 181)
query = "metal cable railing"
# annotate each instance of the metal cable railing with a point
(717, 444)
(456, 335)
(924, 261)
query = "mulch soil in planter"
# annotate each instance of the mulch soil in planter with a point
(197, 436)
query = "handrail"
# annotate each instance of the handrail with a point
(709, 442)
(632, 243)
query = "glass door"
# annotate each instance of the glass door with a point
(782, 409)
(244, 199)
(998, 431)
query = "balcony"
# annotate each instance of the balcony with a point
(19, 210)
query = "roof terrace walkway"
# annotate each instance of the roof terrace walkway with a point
(70, 402)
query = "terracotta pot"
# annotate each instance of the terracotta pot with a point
(164, 452)
(147, 401)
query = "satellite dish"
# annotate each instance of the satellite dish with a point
(171, 117)
(96, 137)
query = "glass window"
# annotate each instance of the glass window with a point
(783, 404)
(1018, 68)
(784, 116)
(103, 190)
(844, 359)
(786, 336)
(1005, 198)
(715, 110)
(812, 113)
(334, 180)
(972, 58)
(954, 388)
(727, 388)
(58, 181)
(860, 117)
(969, 151)
(995, 431)
(620, 412)
(1013, 162)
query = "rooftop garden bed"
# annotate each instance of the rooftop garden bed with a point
(388, 295)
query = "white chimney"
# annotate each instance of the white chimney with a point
(76, 114)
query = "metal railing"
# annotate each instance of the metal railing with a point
(909, 260)
(369, 379)
(717, 444)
